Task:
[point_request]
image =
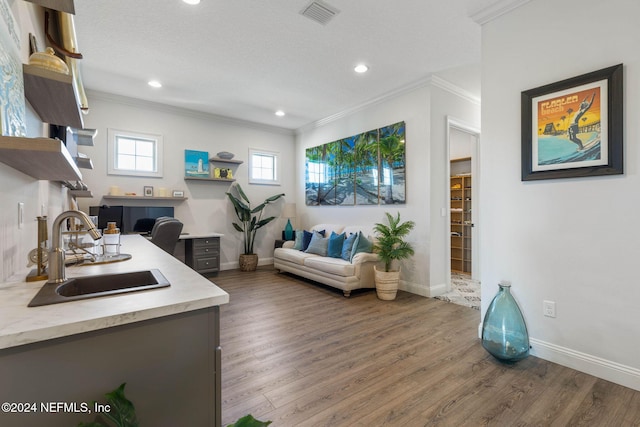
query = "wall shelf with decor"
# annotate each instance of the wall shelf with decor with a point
(202, 178)
(53, 96)
(40, 158)
(461, 223)
(110, 197)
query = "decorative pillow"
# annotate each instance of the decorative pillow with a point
(299, 240)
(306, 238)
(347, 247)
(335, 245)
(362, 244)
(318, 244)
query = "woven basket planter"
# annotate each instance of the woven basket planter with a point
(386, 284)
(248, 262)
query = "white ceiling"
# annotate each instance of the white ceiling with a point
(246, 59)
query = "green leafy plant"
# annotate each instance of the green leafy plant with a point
(250, 219)
(249, 421)
(122, 412)
(390, 245)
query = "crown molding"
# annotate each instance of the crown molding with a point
(495, 10)
(456, 90)
(424, 82)
(134, 102)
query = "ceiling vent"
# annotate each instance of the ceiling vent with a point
(319, 11)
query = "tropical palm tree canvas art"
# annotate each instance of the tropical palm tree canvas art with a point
(364, 169)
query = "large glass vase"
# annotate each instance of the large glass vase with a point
(504, 333)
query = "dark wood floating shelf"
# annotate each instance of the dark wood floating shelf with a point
(41, 158)
(53, 96)
(109, 196)
(198, 178)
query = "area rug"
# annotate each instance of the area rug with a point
(464, 291)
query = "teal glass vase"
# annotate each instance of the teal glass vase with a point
(504, 333)
(288, 231)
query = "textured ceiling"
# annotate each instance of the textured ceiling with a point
(247, 58)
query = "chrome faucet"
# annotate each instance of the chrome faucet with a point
(56, 253)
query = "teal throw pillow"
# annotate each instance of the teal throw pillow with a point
(362, 244)
(335, 245)
(306, 239)
(347, 247)
(299, 240)
(318, 244)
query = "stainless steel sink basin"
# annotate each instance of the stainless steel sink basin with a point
(78, 288)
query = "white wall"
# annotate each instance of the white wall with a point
(207, 207)
(572, 241)
(424, 110)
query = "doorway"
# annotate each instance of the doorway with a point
(463, 181)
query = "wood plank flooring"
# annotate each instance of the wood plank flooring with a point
(300, 354)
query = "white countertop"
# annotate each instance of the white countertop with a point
(189, 291)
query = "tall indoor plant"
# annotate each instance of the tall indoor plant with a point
(249, 222)
(390, 247)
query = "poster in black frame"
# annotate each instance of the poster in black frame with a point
(574, 127)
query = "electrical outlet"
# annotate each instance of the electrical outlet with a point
(20, 215)
(549, 308)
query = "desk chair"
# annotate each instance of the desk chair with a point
(165, 233)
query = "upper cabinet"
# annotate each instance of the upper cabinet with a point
(61, 5)
(53, 96)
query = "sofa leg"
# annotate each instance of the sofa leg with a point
(347, 294)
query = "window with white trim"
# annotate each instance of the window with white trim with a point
(263, 167)
(135, 154)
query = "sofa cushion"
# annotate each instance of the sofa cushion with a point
(299, 242)
(336, 266)
(347, 247)
(318, 244)
(361, 244)
(292, 255)
(334, 250)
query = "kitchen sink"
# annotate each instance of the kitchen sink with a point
(79, 288)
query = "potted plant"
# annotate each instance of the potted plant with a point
(391, 247)
(250, 221)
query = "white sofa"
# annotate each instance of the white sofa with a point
(335, 272)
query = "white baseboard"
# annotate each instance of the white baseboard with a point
(235, 264)
(422, 290)
(592, 365)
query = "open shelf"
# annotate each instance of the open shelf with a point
(41, 158)
(53, 96)
(219, 160)
(61, 5)
(198, 178)
(177, 199)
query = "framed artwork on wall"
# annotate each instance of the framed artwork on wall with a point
(573, 128)
(148, 191)
(363, 169)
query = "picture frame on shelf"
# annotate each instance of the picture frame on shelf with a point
(148, 191)
(178, 193)
(196, 163)
(573, 128)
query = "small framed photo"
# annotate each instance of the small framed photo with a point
(178, 193)
(148, 191)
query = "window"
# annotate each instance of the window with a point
(136, 154)
(263, 167)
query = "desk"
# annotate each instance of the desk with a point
(200, 251)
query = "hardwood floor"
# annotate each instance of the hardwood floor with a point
(300, 354)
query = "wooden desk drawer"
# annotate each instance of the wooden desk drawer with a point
(206, 243)
(205, 265)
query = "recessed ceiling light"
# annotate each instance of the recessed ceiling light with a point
(279, 113)
(361, 68)
(192, 2)
(155, 83)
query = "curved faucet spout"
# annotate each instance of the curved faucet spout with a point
(56, 253)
